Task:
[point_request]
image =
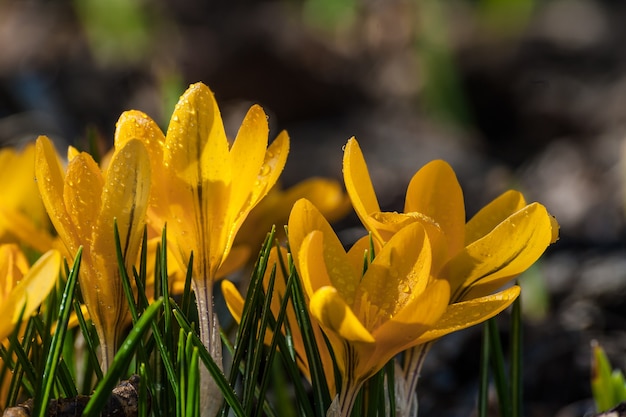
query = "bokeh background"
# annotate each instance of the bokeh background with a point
(518, 94)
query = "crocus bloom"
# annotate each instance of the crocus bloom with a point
(23, 217)
(235, 303)
(24, 287)
(478, 257)
(368, 317)
(83, 204)
(22, 290)
(204, 189)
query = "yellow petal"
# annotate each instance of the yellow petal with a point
(400, 272)
(50, 180)
(335, 315)
(389, 224)
(305, 218)
(512, 247)
(31, 291)
(125, 198)
(199, 169)
(311, 265)
(234, 300)
(465, 314)
(196, 145)
(72, 153)
(402, 330)
(134, 124)
(13, 266)
(273, 164)
(359, 185)
(435, 192)
(361, 249)
(493, 214)
(82, 194)
(247, 155)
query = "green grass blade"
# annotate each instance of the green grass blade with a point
(277, 332)
(248, 327)
(121, 360)
(499, 369)
(41, 401)
(193, 386)
(144, 399)
(187, 293)
(128, 291)
(601, 381)
(258, 348)
(90, 340)
(321, 395)
(65, 380)
(22, 357)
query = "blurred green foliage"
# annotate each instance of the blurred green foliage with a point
(119, 31)
(607, 385)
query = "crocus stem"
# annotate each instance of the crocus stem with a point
(108, 346)
(210, 395)
(413, 362)
(347, 397)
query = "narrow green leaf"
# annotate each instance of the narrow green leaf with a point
(619, 386)
(258, 348)
(65, 380)
(144, 399)
(193, 386)
(499, 369)
(41, 401)
(321, 396)
(601, 381)
(128, 291)
(276, 326)
(90, 339)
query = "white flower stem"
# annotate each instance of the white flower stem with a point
(211, 397)
(413, 362)
(108, 347)
(347, 397)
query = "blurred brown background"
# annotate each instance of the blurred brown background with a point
(513, 93)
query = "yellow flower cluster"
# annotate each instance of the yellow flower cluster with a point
(427, 272)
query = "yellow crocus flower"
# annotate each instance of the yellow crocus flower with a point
(22, 289)
(478, 257)
(83, 204)
(368, 317)
(501, 241)
(235, 304)
(204, 188)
